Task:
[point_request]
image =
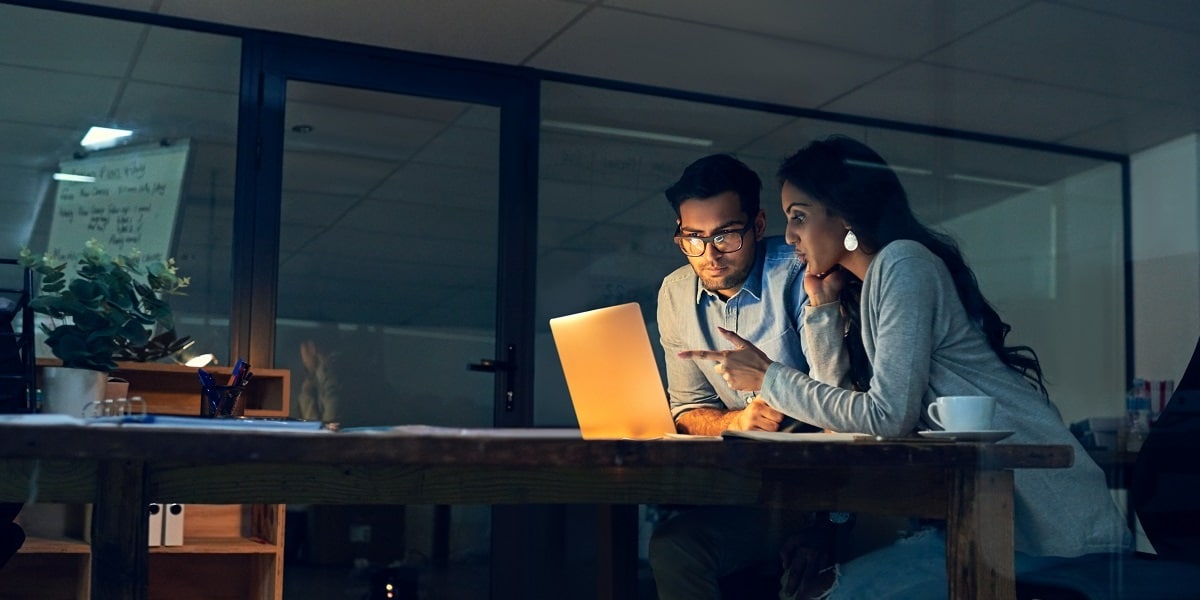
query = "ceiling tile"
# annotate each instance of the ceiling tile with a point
(190, 59)
(324, 173)
(56, 99)
(1076, 48)
(1146, 129)
(41, 146)
(725, 127)
(407, 219)
(668, 53)
(893, 29)
(356, 133)
(299, 208)
(449, 187)
(975, 102)
(373, 102)
(473, 149)
(504, 32)
(161, 111)
(65, 42)
(1174, 14)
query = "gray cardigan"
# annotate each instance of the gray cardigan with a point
(922, 345)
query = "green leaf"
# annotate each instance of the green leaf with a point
(134, 333)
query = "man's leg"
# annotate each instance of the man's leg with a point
(692, 550)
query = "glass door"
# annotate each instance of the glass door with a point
(387, 291)
(398, 203)
(387, 262)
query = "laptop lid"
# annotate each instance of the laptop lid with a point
(611, 373)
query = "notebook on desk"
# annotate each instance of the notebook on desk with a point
(611, 374)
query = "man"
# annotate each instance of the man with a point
(740, 280)
(736, 278)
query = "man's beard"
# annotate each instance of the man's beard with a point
(730, 281)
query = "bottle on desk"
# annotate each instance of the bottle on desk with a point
(1137, 415)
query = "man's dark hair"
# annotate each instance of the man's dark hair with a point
(713, 175)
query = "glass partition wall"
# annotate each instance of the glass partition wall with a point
(392, 208)
(176, 91)
(1042, 230)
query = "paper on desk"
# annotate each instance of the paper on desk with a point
(224, 424)
(554, 433)
(786, 436)
(41, 419)
(165, 421)
(477, 432)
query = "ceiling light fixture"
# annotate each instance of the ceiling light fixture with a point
(955, 176)
(998, 182)
(896, 168)
(627, 133)
(103, 137)
(73, 177)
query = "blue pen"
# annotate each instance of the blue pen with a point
(206, 379)
(237, 372)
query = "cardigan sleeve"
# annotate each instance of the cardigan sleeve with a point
(903, 295)
(824, 344)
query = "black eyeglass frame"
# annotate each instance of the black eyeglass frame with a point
(712, 240)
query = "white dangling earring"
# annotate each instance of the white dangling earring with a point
(851, 241)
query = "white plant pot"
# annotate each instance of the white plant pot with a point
(68, 391)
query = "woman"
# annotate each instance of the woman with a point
(896, 319)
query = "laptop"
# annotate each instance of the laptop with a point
(612, 375)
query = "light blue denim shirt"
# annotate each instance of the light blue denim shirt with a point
(767, 311)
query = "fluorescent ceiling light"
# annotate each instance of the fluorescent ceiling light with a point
(627, 133)
(74, 177)
(896, 168)
(102, 137)
(998, 182)
(955, 176)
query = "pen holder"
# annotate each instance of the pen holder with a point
(222, 401)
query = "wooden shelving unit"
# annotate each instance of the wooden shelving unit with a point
(229, 551)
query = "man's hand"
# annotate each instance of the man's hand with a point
(807, 559)
(757, 416)
(743, 367)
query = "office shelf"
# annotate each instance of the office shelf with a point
(228, 551)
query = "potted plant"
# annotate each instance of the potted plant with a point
(109, 306)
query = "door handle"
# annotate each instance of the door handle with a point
(508, 367)
(491, 365)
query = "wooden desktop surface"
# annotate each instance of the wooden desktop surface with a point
(120, 469)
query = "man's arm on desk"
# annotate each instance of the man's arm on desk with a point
(757, 416)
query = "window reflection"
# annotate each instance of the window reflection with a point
(1043, 229)
(163, 84)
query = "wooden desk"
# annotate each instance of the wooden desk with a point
(120, 469)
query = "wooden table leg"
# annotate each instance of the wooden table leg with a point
(617, 551)
(120, 556)
(979, 535)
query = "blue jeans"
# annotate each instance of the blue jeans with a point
(913, 567)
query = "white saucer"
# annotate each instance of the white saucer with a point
(987, 435)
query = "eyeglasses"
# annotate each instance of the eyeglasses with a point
(730, 241)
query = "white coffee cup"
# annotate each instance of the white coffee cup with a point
(963, 413)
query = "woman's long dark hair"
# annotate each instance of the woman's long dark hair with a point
(856, 184)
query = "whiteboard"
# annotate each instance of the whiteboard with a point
(132, 205)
